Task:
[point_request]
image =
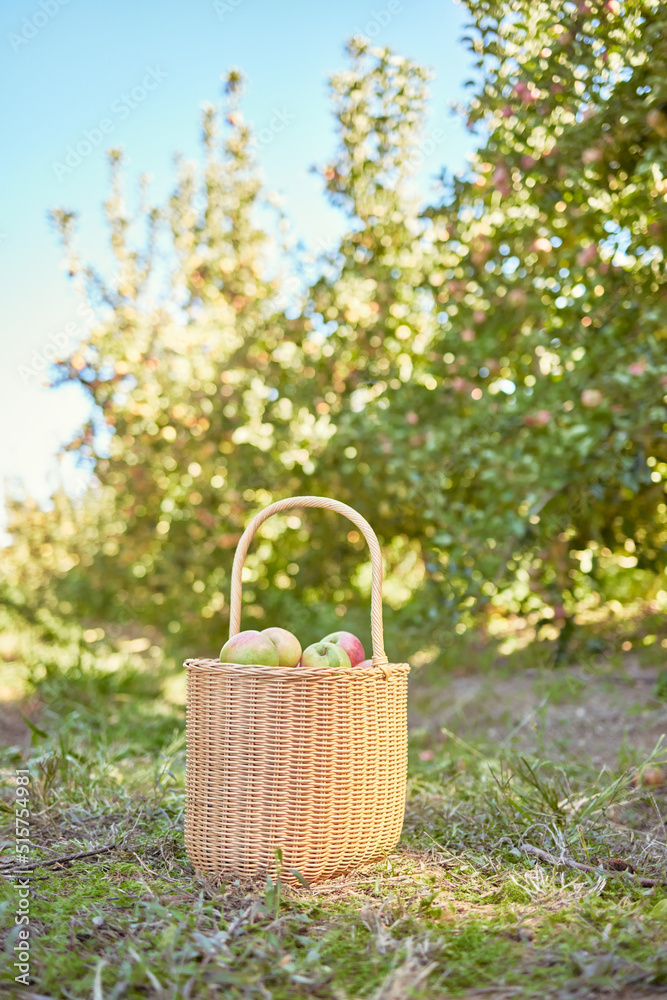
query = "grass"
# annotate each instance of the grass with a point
(457, 908)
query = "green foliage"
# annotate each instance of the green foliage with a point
(551, 261)
(483, 377)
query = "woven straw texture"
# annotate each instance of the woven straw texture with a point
(309, 760)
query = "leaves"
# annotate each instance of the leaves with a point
(483, 378)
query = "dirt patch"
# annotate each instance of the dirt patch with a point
(561, 713)
(13, 730)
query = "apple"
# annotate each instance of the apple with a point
(250, 647)
(325, 654)
(526, 92)
(591, 397)
(591, 155)
(539, 419)
(364, 663)
(658, 121)
(653, 776)
(587, 255)
(500, 180)
(288, 646)
(349, 643)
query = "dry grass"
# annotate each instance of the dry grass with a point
(460, 909)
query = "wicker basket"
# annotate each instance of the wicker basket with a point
(311, 761)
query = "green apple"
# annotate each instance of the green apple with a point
(250, 647)
(325, 654)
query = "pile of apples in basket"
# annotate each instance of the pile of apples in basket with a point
(276, 647)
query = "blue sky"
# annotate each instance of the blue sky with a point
(135, 75)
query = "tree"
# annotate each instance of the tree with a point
(525, 440)
(553, 267)
(183, 382)
(521, 436)
(483, 377)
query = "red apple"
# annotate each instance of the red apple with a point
(539, 419)
(364, 663)
(526, 92)
(658, 121)
(325, 654)
(288, 646)
(500, 180)
(653, 776)
(587, 255)
(349, 643)
(591, 155)
(250, 647)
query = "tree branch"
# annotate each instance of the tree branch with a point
(55, 861)
(551, 859)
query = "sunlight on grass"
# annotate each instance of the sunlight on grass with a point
(460, 905)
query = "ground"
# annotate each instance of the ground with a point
(596, 715)
(503, 763)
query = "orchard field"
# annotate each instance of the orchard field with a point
(483, 376)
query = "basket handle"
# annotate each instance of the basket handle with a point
(379, 657)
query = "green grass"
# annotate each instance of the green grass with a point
(458, 907)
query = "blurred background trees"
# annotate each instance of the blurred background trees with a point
(483, 377)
